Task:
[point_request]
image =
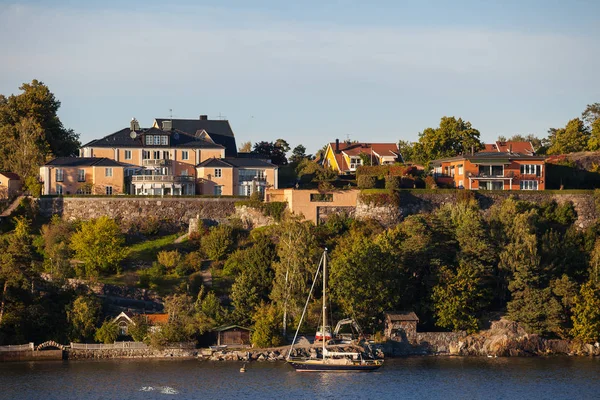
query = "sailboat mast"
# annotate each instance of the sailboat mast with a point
(323, 329)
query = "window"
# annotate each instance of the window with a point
(529, 185)
(185, 155)
(145, 155)
(491, 170)
(59, 175)
(164, 140)
(85, 189)
(157, 140)
(218, 172)
(109, 190)
(81, 175)
(461, 184)
(321, 197)
(156, 155)
(184, 172)
(452, 170)
(166, 155)
(108, 172)
(218, 190)
(149, 140)
(531, 169)
(59, 190)
(461, 170)
(128, 154)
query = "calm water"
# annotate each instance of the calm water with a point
(408, 378)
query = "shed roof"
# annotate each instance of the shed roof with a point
(228, 327)
(402, 316)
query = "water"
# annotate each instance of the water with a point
(406, 378)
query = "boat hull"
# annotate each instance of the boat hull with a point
(315, 366)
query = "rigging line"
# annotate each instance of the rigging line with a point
(305, 307)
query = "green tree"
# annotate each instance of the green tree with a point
(99, 244)
(586, 314)
(26, 150)
(16, 259)
(83, 316)
(572, 138)
(460, 296)
(107, 333)
(452, 137)
(169, 259)
(267, 331)
(244, 298)
(537, 309)
(297, 253)
(407, 150)
(37, 103)
(139, 329)
(55, 247)
(218, 243)
(298, 154)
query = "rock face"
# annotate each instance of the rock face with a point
(170, 213)
(415, 202)
(252, 218)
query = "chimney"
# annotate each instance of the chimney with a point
(337, 145)
(134, 125)
(167, 125)
(510, 148)
(203, 117)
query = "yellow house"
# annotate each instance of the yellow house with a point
(10, 184)
(86, 175)
(346, 157)
(235, 176)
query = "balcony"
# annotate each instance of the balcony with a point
(252, 179)
(162, 178)
(156, 163)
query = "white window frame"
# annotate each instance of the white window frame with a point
(461, 170)
(59, 190)
(164, 140)
(529, 185)
(108, 172)
(81, 175)
(109, 190)
(218, 172)
(60, 175)
(218, 190)
(185, 155)
(128, 154)
(149, 140)
(156, 140)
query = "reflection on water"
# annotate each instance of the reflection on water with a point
(407, 378)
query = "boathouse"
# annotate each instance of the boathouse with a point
(400, 323)
(233, 335)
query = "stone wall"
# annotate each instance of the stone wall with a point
(171, 213)
(324, 212)
(31, 355)
(77, 354)
(415, 202)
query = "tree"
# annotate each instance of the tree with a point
(244, 298)
(298, 154)
(246, 147)
(572, 138)
(16, 258)
(297, 252)
(57, 253)
(406, 149)
(83, 316)
(266, 332)
(107, 333)
(218, 243)
(37, 103)
(451, 138)
(586, 314)
(537, 143)
(139, 329)
(169, 259)
(591, 113)
(99, 244)
(274, 151)
(26, 150)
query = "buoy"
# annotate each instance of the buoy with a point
(243, 369)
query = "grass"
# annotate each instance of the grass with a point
(148, 249)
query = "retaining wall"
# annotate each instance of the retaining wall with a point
(31, 355)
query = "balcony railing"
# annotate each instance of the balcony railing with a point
(252, 179)
(156, 163)
(162, 178)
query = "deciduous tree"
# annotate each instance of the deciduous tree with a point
(83, 316)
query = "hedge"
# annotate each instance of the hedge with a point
(367, 181)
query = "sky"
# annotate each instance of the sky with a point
(308, 71)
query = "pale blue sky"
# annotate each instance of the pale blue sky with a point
(308, 71)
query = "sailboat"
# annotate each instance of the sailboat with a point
(331, 361)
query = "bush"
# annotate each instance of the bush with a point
(218, 243)
(107, 333)
(367, 181)
(169, 259)
(392, 182)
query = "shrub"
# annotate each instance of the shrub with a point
(107, 333)
(169, 259)
(367, 181)
(392, 182)
(218, 243)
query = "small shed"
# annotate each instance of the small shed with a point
(10, 184)
(233, 335)
(399, 322)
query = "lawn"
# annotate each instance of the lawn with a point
(148, 249)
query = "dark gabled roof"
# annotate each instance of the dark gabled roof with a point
(230, 162)
(214, 163)
(219, 131)
(11, 175)
(84, 162)
(178, 138)
(402, 316)
(228, 327)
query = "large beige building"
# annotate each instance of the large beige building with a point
(173, 157)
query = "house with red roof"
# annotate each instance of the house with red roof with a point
(346, 157)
